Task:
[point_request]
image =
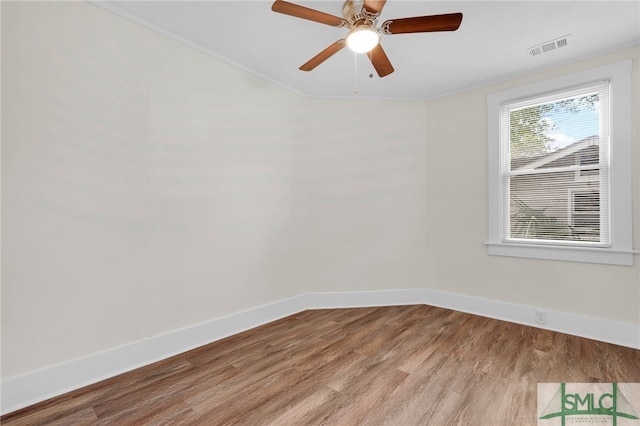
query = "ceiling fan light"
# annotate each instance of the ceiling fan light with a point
(362, 40)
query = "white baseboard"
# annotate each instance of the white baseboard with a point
(361, 299)
(616, 332)
(30, 388)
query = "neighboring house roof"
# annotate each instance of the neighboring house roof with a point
(538, 162)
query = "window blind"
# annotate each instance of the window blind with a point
(555, 167)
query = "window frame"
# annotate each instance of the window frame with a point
(620, 250)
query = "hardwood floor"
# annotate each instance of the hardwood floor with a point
(402, 365)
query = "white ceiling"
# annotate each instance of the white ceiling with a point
(491, 44)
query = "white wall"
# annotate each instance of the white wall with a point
(148, 187)
(360, 196)
(457, 218)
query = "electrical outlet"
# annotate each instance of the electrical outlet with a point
(541, 317)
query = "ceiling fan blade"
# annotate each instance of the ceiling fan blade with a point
(298, 11)
(423, 24)
(374, 6)
(380, 61)
(323, 56)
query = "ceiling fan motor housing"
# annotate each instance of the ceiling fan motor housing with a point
(356, 14)
(351, 8)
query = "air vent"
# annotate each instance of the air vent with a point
(549, 46)
(535, 51)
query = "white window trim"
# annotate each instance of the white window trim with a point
(621, 250)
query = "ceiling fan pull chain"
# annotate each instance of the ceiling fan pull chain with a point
(355, 72)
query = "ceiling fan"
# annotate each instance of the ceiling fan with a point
(361, 18)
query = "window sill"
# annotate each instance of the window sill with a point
(569, 254)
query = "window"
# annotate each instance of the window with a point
(560, 168)
(557, 147)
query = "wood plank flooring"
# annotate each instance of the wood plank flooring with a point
(401, 365)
